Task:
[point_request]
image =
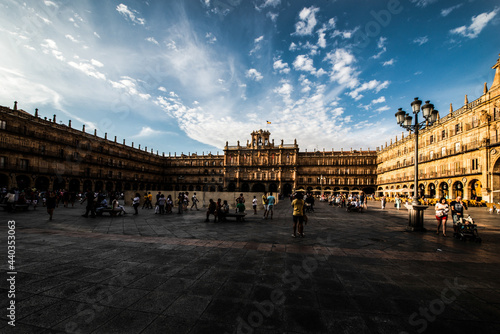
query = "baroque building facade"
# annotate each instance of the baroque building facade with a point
(459, 155)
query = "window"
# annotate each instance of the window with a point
(443, 151)
(110, 173)
(443, 134)
(496, 114)
(431, 139)
(23, 164)
(475, 164)
(3, 162)
(42, 149)
(457, 147)
(475, 121)
(3, 125)
(458, 128)
(431, 155)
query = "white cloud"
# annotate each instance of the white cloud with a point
(292, 47)
(280, 66)
(71, 38)
(379, 100)
(478, 23)
(130, 14)
(285, 90)
(254, 74)
(146, 131)
(50, 3)
(343, 70)
(268, 3)
(304, 63)
(446, 11)
(96, 63)
(382, 109)
(172, 45)
(152, 40)
(423, 3)
(257, 44)
(272, 16)
(374, 85)
(307, 21)
(388, 62)
(50, 47)
(381, 46)
(163, 89)
(130, 86)
(421, 40)
(88, 69)
(211, 39)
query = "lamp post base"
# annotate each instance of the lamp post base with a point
(416, 218)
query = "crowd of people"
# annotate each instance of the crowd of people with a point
(96, 202)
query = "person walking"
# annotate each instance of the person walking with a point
(270, 205)
(383, 200)
(442, 209)
(194, 199)
(298, 215)
(51, 204)
(136, 201)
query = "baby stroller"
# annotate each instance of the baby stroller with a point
(467, 229)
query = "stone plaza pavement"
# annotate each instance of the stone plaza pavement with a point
(352, 273)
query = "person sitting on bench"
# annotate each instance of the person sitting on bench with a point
(212, 210)
(117, 207)
(103, 205)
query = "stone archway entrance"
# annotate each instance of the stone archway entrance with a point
(475, 190)
(458, 189)
(443, 190)
(432, 190)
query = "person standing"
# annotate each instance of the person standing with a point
(90, 198)
(264, 203)
(442, 209)
(397, 200)
(383, 201)
(457, 211)
(180, 202)
(254, 205)
(270, 205)
(135, 202)
(161, 204)
(298, 215)
(51, 204)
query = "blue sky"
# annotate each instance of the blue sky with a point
(187, 76)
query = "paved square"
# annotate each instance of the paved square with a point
(352, 273)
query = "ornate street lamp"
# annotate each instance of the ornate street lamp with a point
(405, 121)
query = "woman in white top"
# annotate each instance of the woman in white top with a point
(442, 209)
